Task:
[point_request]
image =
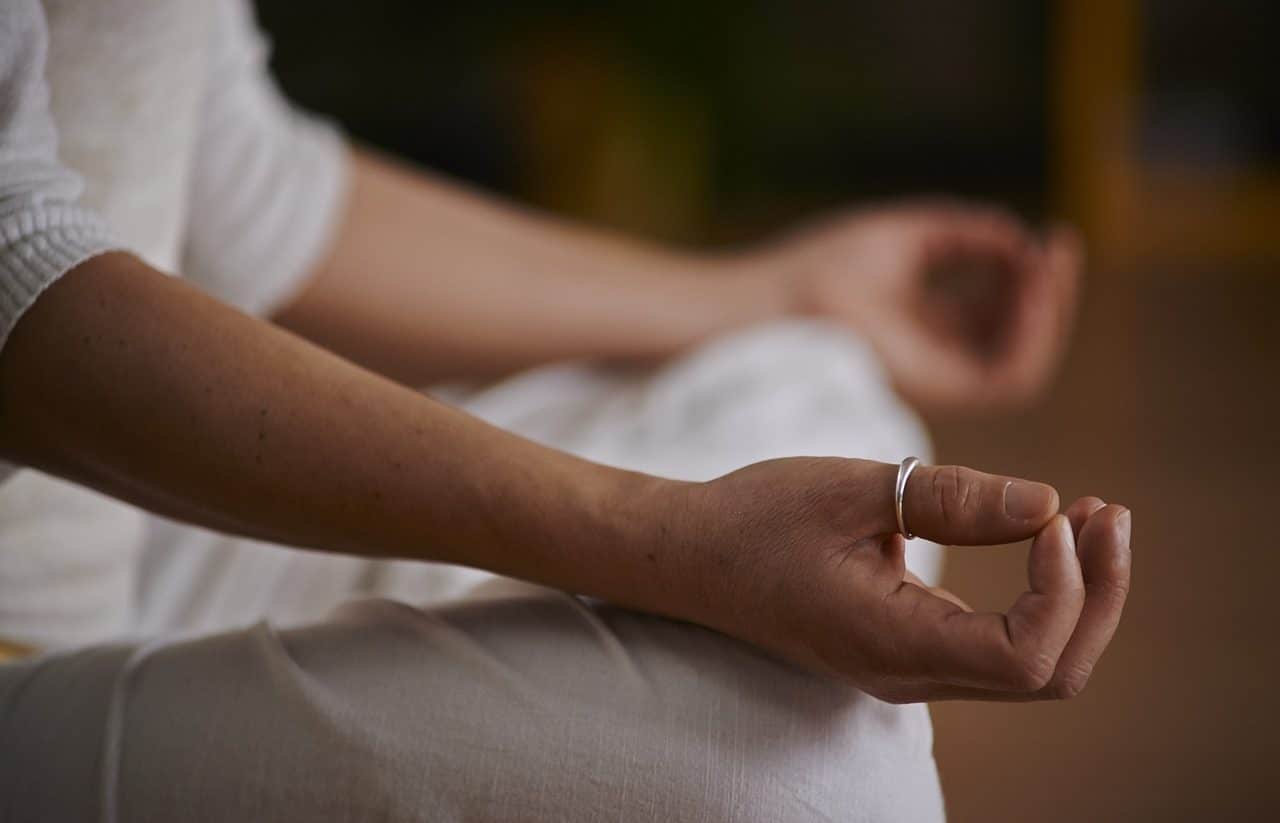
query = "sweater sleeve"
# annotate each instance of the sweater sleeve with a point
(268, 180)
(43, 233)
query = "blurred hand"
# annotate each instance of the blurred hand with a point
(801, 556)
(966, 307)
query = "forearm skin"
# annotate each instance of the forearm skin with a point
(138, 385)
(428, 281)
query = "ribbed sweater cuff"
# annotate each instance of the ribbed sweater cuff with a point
(38, 246)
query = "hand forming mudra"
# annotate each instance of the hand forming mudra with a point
(804, 557)
(966, 306)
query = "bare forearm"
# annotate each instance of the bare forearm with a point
(144, 388)
(429, 281)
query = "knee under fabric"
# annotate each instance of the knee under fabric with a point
(460, 713)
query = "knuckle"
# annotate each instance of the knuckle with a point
(1071, 682)
(958, 493)
(1118, 569)
(1031, 672)
(1113, 594)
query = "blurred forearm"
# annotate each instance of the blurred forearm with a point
(428, 281)
(134, 383)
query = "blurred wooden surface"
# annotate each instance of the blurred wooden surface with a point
(1170, 404)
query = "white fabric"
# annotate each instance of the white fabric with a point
(536, 708)
(268, 181)
(68, 563)
(43, 231)
(125, 77)
(166, 110)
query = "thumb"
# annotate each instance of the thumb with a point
(954, 504)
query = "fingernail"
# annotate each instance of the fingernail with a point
(1024, 500)
(1124, 526)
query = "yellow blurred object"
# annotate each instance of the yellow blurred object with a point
(13, 651)
(608, 143)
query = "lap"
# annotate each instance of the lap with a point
(536, 707)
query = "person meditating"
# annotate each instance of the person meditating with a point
(643, 558)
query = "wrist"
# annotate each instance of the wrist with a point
(653, 562)
(749, 288)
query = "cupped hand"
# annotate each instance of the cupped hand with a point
(801, 556)
(966, 306)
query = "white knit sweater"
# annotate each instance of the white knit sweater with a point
(149, 125)
(43, 232)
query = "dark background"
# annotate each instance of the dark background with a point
(1153, 125)
(739, 112)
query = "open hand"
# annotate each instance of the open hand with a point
(801, 556)
(965, 306)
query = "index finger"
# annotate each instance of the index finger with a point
(1017, 651)
(1103, 548)
(1105, 559)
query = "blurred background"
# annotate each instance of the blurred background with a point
(1154, 126)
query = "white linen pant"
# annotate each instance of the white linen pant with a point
(244, 694)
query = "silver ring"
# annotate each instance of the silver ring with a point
(905, 468)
